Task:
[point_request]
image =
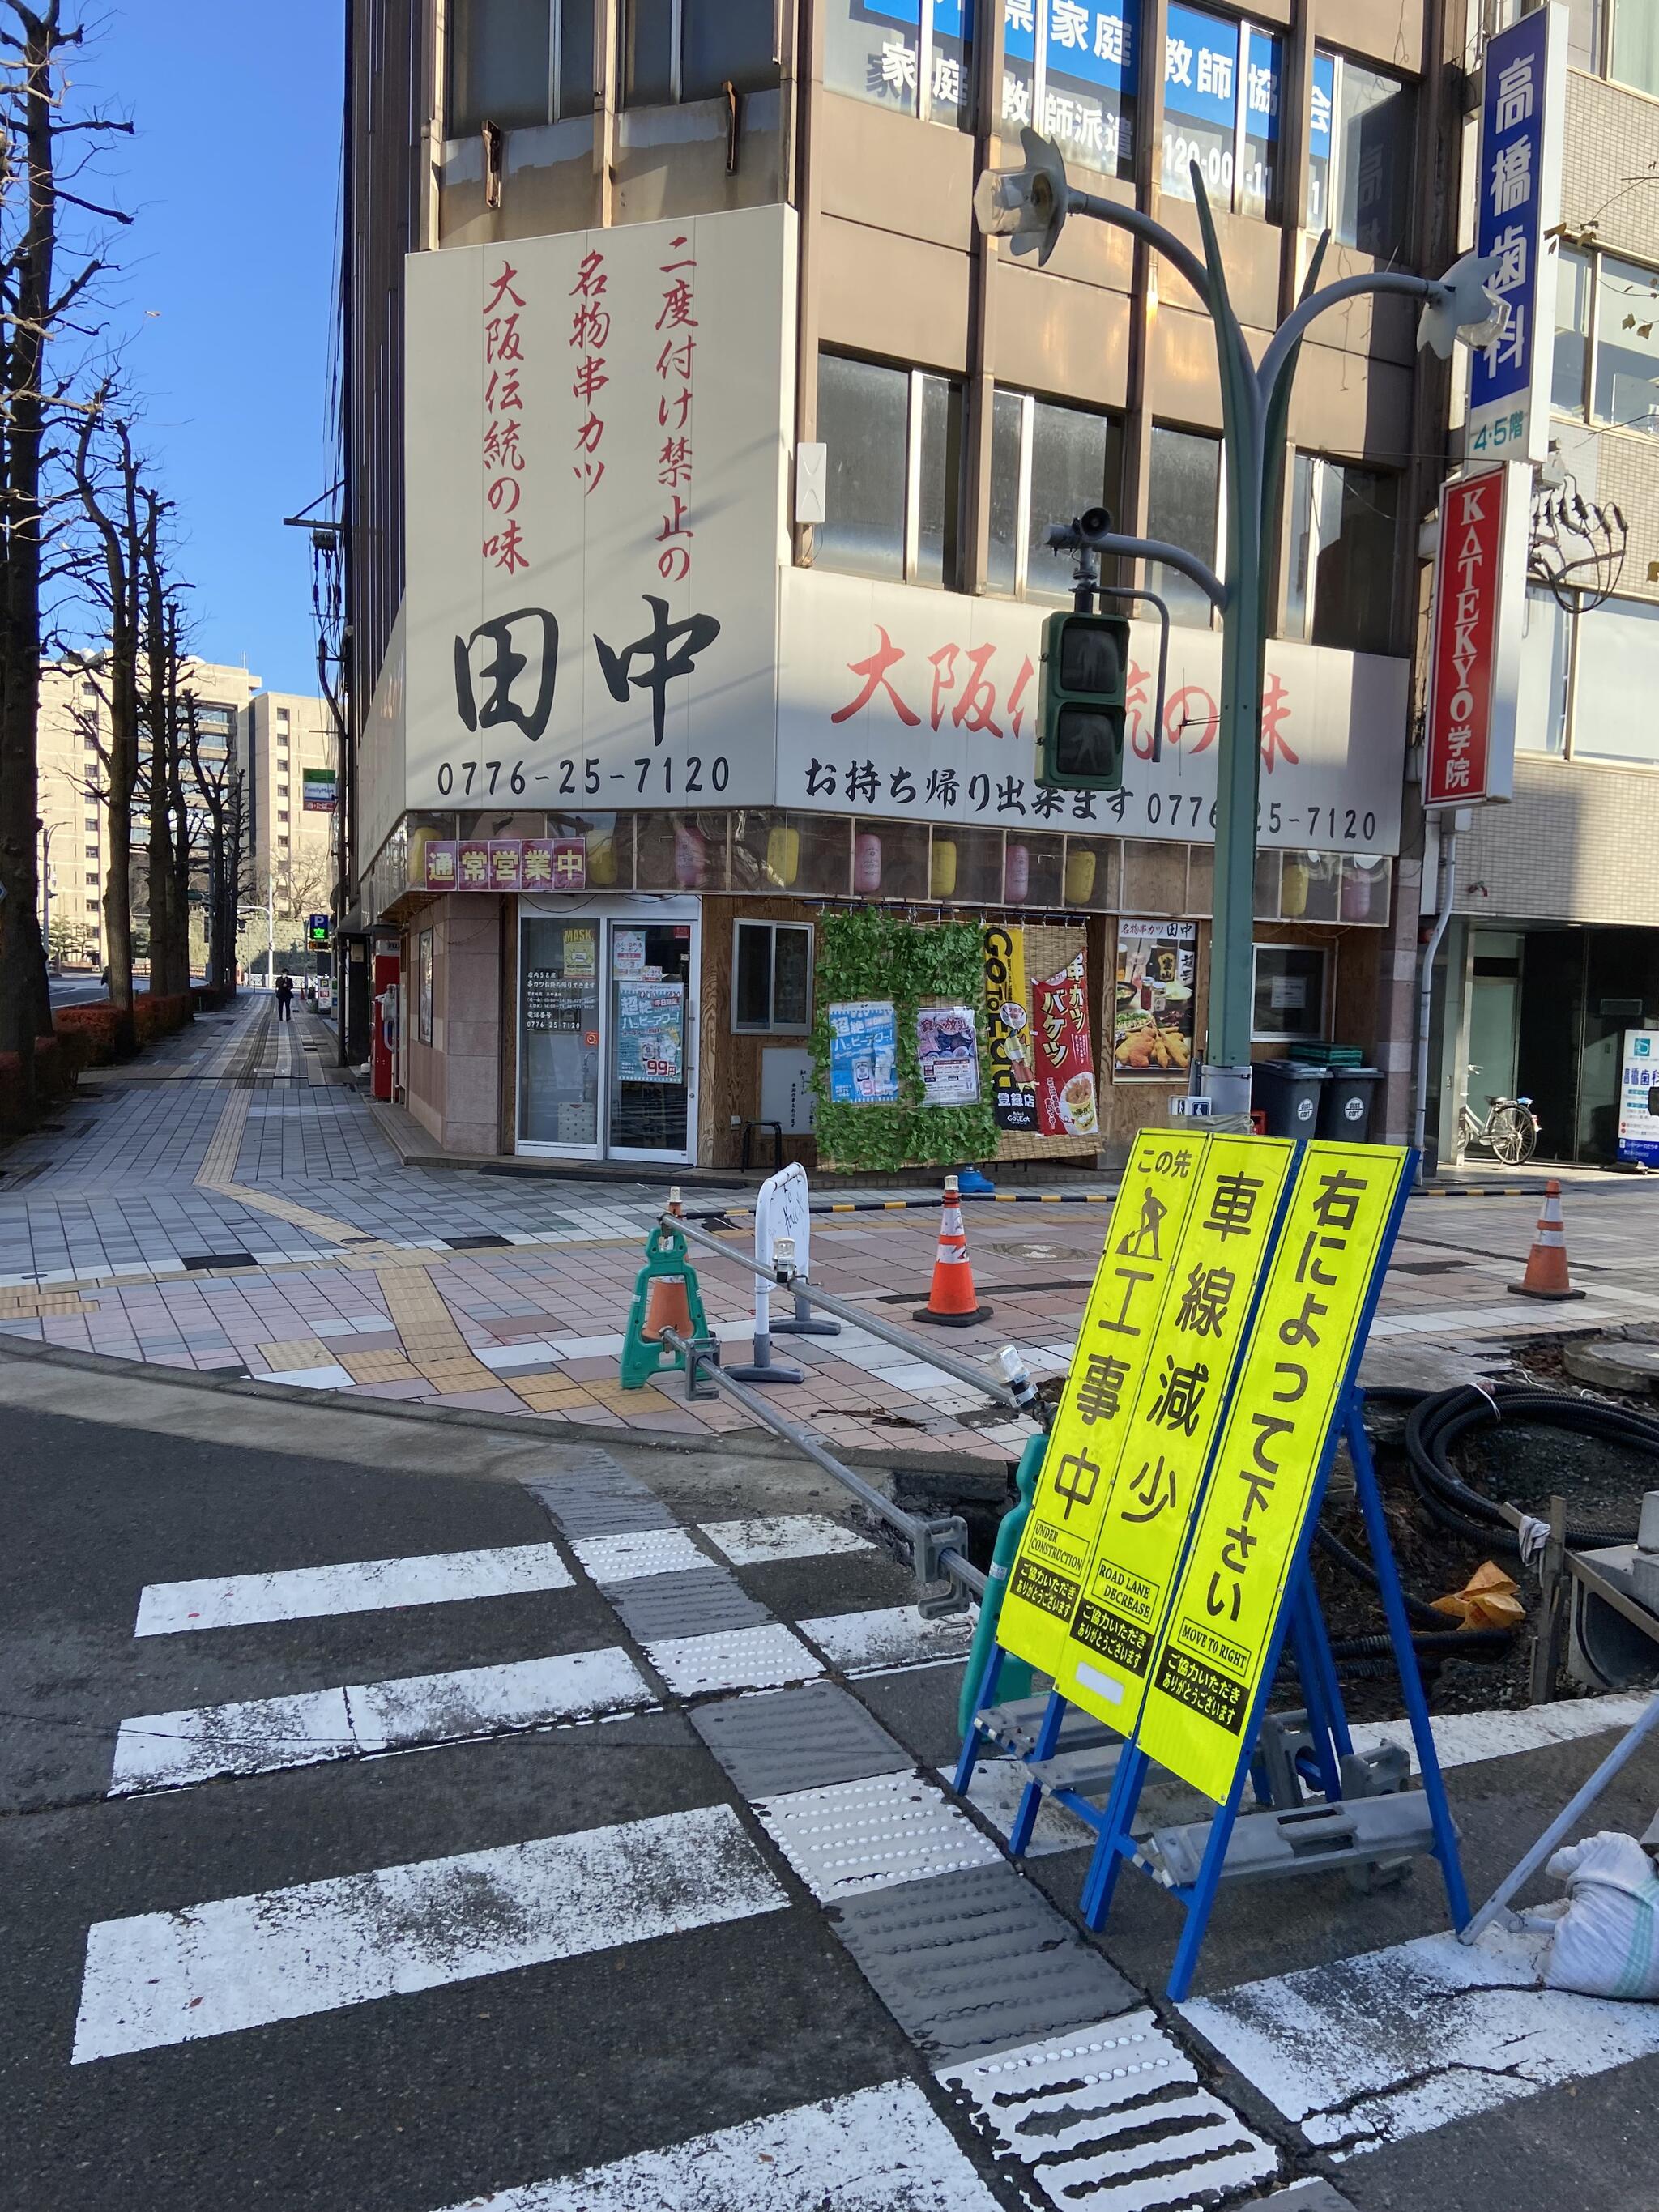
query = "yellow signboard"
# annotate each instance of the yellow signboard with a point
(1080, 1465)
(1214, 1647)
(1219, 1264)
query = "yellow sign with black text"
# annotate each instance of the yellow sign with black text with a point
(1081, 1462)
(1218, 1633)
(1176, 1413)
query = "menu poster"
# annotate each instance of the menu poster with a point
(863, 1053)
(1152, 1019)
(949, 1051)
(1065, 1070)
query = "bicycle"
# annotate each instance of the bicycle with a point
(1509, 1129)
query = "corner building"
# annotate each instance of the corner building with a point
(700, 459)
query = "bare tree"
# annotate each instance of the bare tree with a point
(169, 839)
(220, 787)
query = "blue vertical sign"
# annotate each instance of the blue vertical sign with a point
(1518, 194)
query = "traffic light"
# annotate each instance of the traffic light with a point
(1085, 662)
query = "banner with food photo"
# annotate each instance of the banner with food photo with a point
(1156, 979)
(1065, 1068)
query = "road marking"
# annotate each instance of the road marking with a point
(265, 1736)
(358, 1586)
(239, 1962)
(1464, 1739)
(891, 1635)
(849, 1837)
(1113, 2116)
(1370, 2050)
(784, 1536)
(994, 1792)
(878, 2150)
(764, 1658)
(628, 1559)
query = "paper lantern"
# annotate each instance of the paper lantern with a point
(690, 855)
(602, 860)
(1016, 873)
(1080, 866)
(783, 854)
(1293, 890)
(866, 863)
(942, 875)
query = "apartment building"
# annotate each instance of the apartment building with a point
(701, 455)
(287, 748)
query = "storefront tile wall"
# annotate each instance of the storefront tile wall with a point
(454, 1086)
(1575, 844)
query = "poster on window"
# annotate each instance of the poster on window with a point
(1066, 1067)
(1008, 1030)
(651, 1032)
(627, 952)
(949, 1051)
(863, 1053)
(1639, 1077)
(1156, 981)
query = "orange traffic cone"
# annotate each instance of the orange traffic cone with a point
(1546, 1262)
(951, 1302)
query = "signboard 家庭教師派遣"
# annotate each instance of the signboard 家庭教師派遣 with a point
(590, 602)
(1066, 1105)
(948, 1051)
(1517, 208)
(863, 1053)
(1474, 647)
(1156, 981)
(1638, 1075)
(1217, 1633)
(1008, 1028)
(922, 705)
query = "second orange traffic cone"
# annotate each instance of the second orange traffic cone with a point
(1546, 1273)
(952, 1302)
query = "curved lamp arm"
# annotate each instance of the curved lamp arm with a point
(1289, 335)
(1171, 556)
(1149, 233)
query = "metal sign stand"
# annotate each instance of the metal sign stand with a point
(1362, 1816)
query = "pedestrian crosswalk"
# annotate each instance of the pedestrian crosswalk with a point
(361, 1586)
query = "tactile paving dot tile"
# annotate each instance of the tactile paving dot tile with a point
(629, 1558)
(738, 1659)
(977, 1962)
(854, 1837)
(700, 1602)
(798, 1739)
(600, 1500)
(1114, 2116)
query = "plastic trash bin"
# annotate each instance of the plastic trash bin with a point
(1345, 1111)
(1288, 1092)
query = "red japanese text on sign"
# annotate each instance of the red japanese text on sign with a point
(590, 337)
(1456, 768)
(676, 325)
(502, 455)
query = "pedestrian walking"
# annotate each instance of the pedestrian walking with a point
(284, 996)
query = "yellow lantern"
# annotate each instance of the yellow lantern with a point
(1080, 866)
(942, 875)
(1293, 890)
(783, 854)
(602, 860)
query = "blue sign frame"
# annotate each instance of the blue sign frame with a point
(1517, 195)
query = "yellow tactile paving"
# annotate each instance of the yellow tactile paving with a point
(16, 1305)
(296, 1352)
(378, 1367)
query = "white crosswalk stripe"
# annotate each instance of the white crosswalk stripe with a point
(358, 1586)
(263, 1735)
(892, 1636)
(240, 1962)
(784, 1536)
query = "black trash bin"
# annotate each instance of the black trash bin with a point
(1345, 1111)
(1288, 1091)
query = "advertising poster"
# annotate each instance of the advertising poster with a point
(318, 787)
(1065, 1068)
(579, 952)
(1157, 977)
(863, 1052)
(651, 1032)
(627, 952)
(1008, 1030)
(949, 1053)
(1638, 1071)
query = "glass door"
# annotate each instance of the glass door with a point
(651, 1048)
(559, 1031)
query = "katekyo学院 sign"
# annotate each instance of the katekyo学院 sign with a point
(1474, 652)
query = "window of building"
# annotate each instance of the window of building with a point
(1183, 508)
(517, 63)
(874, 49)
(772, 977)
(1626, 363)
(1047, 463)
(1633, 44)
(1541, 722)
(282, 844)
(1069, 66)
(1221, 81)
(1344, 531)
(1290, 992)
(1360, 150)
(92, 852)
(675, 49)
(892, 492)
(89, 744)
(92, 883)
(1570, 371)
(1615, 681)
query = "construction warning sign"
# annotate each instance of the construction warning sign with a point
(1171, 1424)
(1218, 1635)
(1137, 1269)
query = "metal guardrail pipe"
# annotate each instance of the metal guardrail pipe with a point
(784, 1278)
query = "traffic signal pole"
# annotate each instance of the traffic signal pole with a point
(1030, 206)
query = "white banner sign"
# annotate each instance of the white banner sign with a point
(902, 702)
(596, 428)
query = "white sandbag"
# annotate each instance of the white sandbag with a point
(1605, 1942)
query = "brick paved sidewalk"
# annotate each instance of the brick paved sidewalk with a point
(228, 1203)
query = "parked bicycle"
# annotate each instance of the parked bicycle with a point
(1510, 1130)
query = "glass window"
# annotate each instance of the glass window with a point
(1541, 723)
(1290, 991)
(1626, 341)
(1635, 56)
(938, 491)
(863, 410)
(1047, 463)
(1007, 440)
(1183, 507)
(1221, 81)
(772, 977)
(1343, 539)
(689, 49)
(1088, 77)
(1257, 191)
(872, 49)
(649, 53)
(576, 27)
(1360, 156)
(1617, 678)
(1571, 362)
(500, 64)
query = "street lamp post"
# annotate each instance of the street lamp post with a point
(1029, 206)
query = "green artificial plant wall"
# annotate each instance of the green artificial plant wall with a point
(872, 953)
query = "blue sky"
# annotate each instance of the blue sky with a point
(226, 292)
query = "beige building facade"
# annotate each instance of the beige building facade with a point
(287, 747)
